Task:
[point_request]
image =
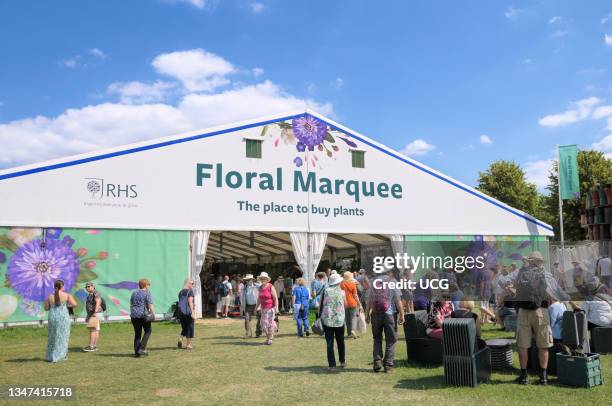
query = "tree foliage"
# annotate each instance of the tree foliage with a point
(505, 181)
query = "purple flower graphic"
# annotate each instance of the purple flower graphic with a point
(32, 270)
(309, 130)
(2, 258)
(298, 161)
(301, 147)
(30, 307)
(54, 233)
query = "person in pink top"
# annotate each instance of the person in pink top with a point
(268, 306)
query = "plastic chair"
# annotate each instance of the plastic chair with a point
(464, 365)
(421, 348)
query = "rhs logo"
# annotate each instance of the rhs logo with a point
(99, 189)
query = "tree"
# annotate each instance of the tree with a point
(593, 169)
(506, 182)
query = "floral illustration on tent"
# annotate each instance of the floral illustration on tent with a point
(37, 258)
(311, 137)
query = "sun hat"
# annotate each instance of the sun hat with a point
(334, 279)
(248, 277)
(348, 275)
(333, 272)
(535, 256)
(263, 275)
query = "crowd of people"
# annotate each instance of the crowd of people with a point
(528, 293)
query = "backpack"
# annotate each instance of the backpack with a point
(183, 303)
(381, 299)
(530, 288)
(224, 289)
(90, 303)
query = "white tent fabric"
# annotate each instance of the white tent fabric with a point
(308, 249)
(198, 242)
(398, 244)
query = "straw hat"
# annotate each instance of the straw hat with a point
(247, 277)
(263, 275)
(348, 275)
(334, 279)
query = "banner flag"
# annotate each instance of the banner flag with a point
(569, 184)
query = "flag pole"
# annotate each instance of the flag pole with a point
(560, 209)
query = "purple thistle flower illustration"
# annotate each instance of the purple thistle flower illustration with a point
(54, 233)
(32, 270)
(301, 147)
(2, 258)
(309, 130)
(298, 161)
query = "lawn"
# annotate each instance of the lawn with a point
(224, 368)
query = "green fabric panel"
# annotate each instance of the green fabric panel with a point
(117, 258)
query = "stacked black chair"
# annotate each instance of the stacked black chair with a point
(464, 364)
(575, 331)
(421, 348)
(602, 340)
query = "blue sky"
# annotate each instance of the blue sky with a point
(455, 84)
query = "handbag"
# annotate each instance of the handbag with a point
(360, 323)
(317, 326)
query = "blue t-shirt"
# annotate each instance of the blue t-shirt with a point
(139, 302)
(317, 288)
(301, 295)
(555, 312)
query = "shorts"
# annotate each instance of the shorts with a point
(225, 300)
(530, 322)
(98, 317)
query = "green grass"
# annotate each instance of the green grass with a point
(227, 369)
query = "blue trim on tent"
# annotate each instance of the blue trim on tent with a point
(143, 148)
(442, 178)
(247, 126)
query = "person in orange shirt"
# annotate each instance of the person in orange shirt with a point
(351, 302)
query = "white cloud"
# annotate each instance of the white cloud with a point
(311, 88)
(608, 40)
(97, 53)
(579, 111)
(526, 61)
(139, 92)
(197, 69)
(485, 139)
(418, 147)
(257, 72)
(606, 18)
(110, 124)
(537, 172)
(69, 63)
(602, 112)
(512, 13)
(338, 83)
(604, 145)
(196, 3)
(141, 114)
(257, 7)
(558, 34)
(556, 20)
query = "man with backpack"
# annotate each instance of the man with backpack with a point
(382, 305)
(226, 292)
(94, 307)
(530, 289)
